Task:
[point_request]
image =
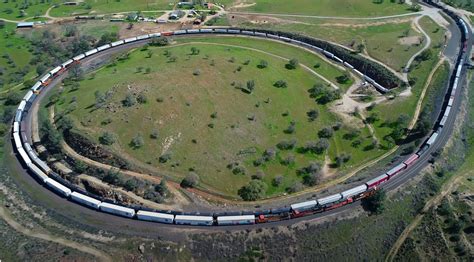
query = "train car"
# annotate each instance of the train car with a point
(130, 40)
(328, 54)
(154, 35)
(411, 159)
(338, 59)
(245, 32)
(155, 217)
(374, 182)
(103, 47)
(447, 111)
(28, 96)
(379, 87)
(58, 187)
(117, 210)
(273, 36)
(194, 220)
(221, 31)
(16, 127)
(78, 57)
(117, 43)
(236, 220)
(85, 200)
(45, 79)
(40, 163)
(37, 172)
(193, 31)
(304, 206)
(205, 31)
(397, 169)
(55, 70)
(443, 121)
(326, 201)
(432, 139)
(180, 32)
(286, 39)
(24, 156)
(143, 37)
(451, 101)
(91, 52)
(67, 63)
(260, 34)
(358, 73)
(354, 192)
(348, 65)
(36, 87)
(170, 33)
(233, 31)
(17, 140)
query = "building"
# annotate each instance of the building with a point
(175, 15)
(25, 25)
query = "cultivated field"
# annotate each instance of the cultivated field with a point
(199, 115)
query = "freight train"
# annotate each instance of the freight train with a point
(40, 170)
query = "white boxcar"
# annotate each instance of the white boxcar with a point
(443, 121)
(180, 32)
(120, 42)
(286, 39)
(91, 52)
(233, 31)
(220, 30)
(236, 220)
(68, 62)
(358, 73)
(155, 217)
(36, 86)
(85, 200)
(131, 39)
(260, 34)
(396, 169)
(354, 191)
(28, 96)
(58, 187)
(24, 156)
(117, 210)
(45, 78)
(194, 220)
(337, 59)
(143, 37)
(303, 206)
(35, 170)
(432, 139)
(448, 110)
(16, 127)
(103, 47)
(247, 32)
(55, 70)
(348, 65)
(329, 199)
(155, 35)
(205, 30)
(193, 31)
(17, 140)
(79, 57)
(451, 101)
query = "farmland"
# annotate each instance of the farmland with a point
(194, 114)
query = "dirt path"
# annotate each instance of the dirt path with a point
(447, 188)
(12, 222)
(427, 45)
(423, 93)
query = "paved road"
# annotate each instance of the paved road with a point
(104, 221)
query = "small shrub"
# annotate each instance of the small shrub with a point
(191, 180)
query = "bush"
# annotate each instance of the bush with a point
(191, 180)
(296, 187)
(277, 180)
(253, 191)
(129, 101)
(107, 139)
(287, 144)
(341, 159)
(154, 134)
(375, 202)
(13, 98)
(312, 114)
(289, 160)
(141, 98)
(137, 142)
(312, 179)
(291, 128)
(312, 168)
(344, 78)
(164, 158)
(326, 132)
(281, 84)
(262, 64)
(259, 175)
(292, 64)
(317, 147)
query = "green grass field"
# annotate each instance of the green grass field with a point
(353, 8)
(15, 57)
(191, 90)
